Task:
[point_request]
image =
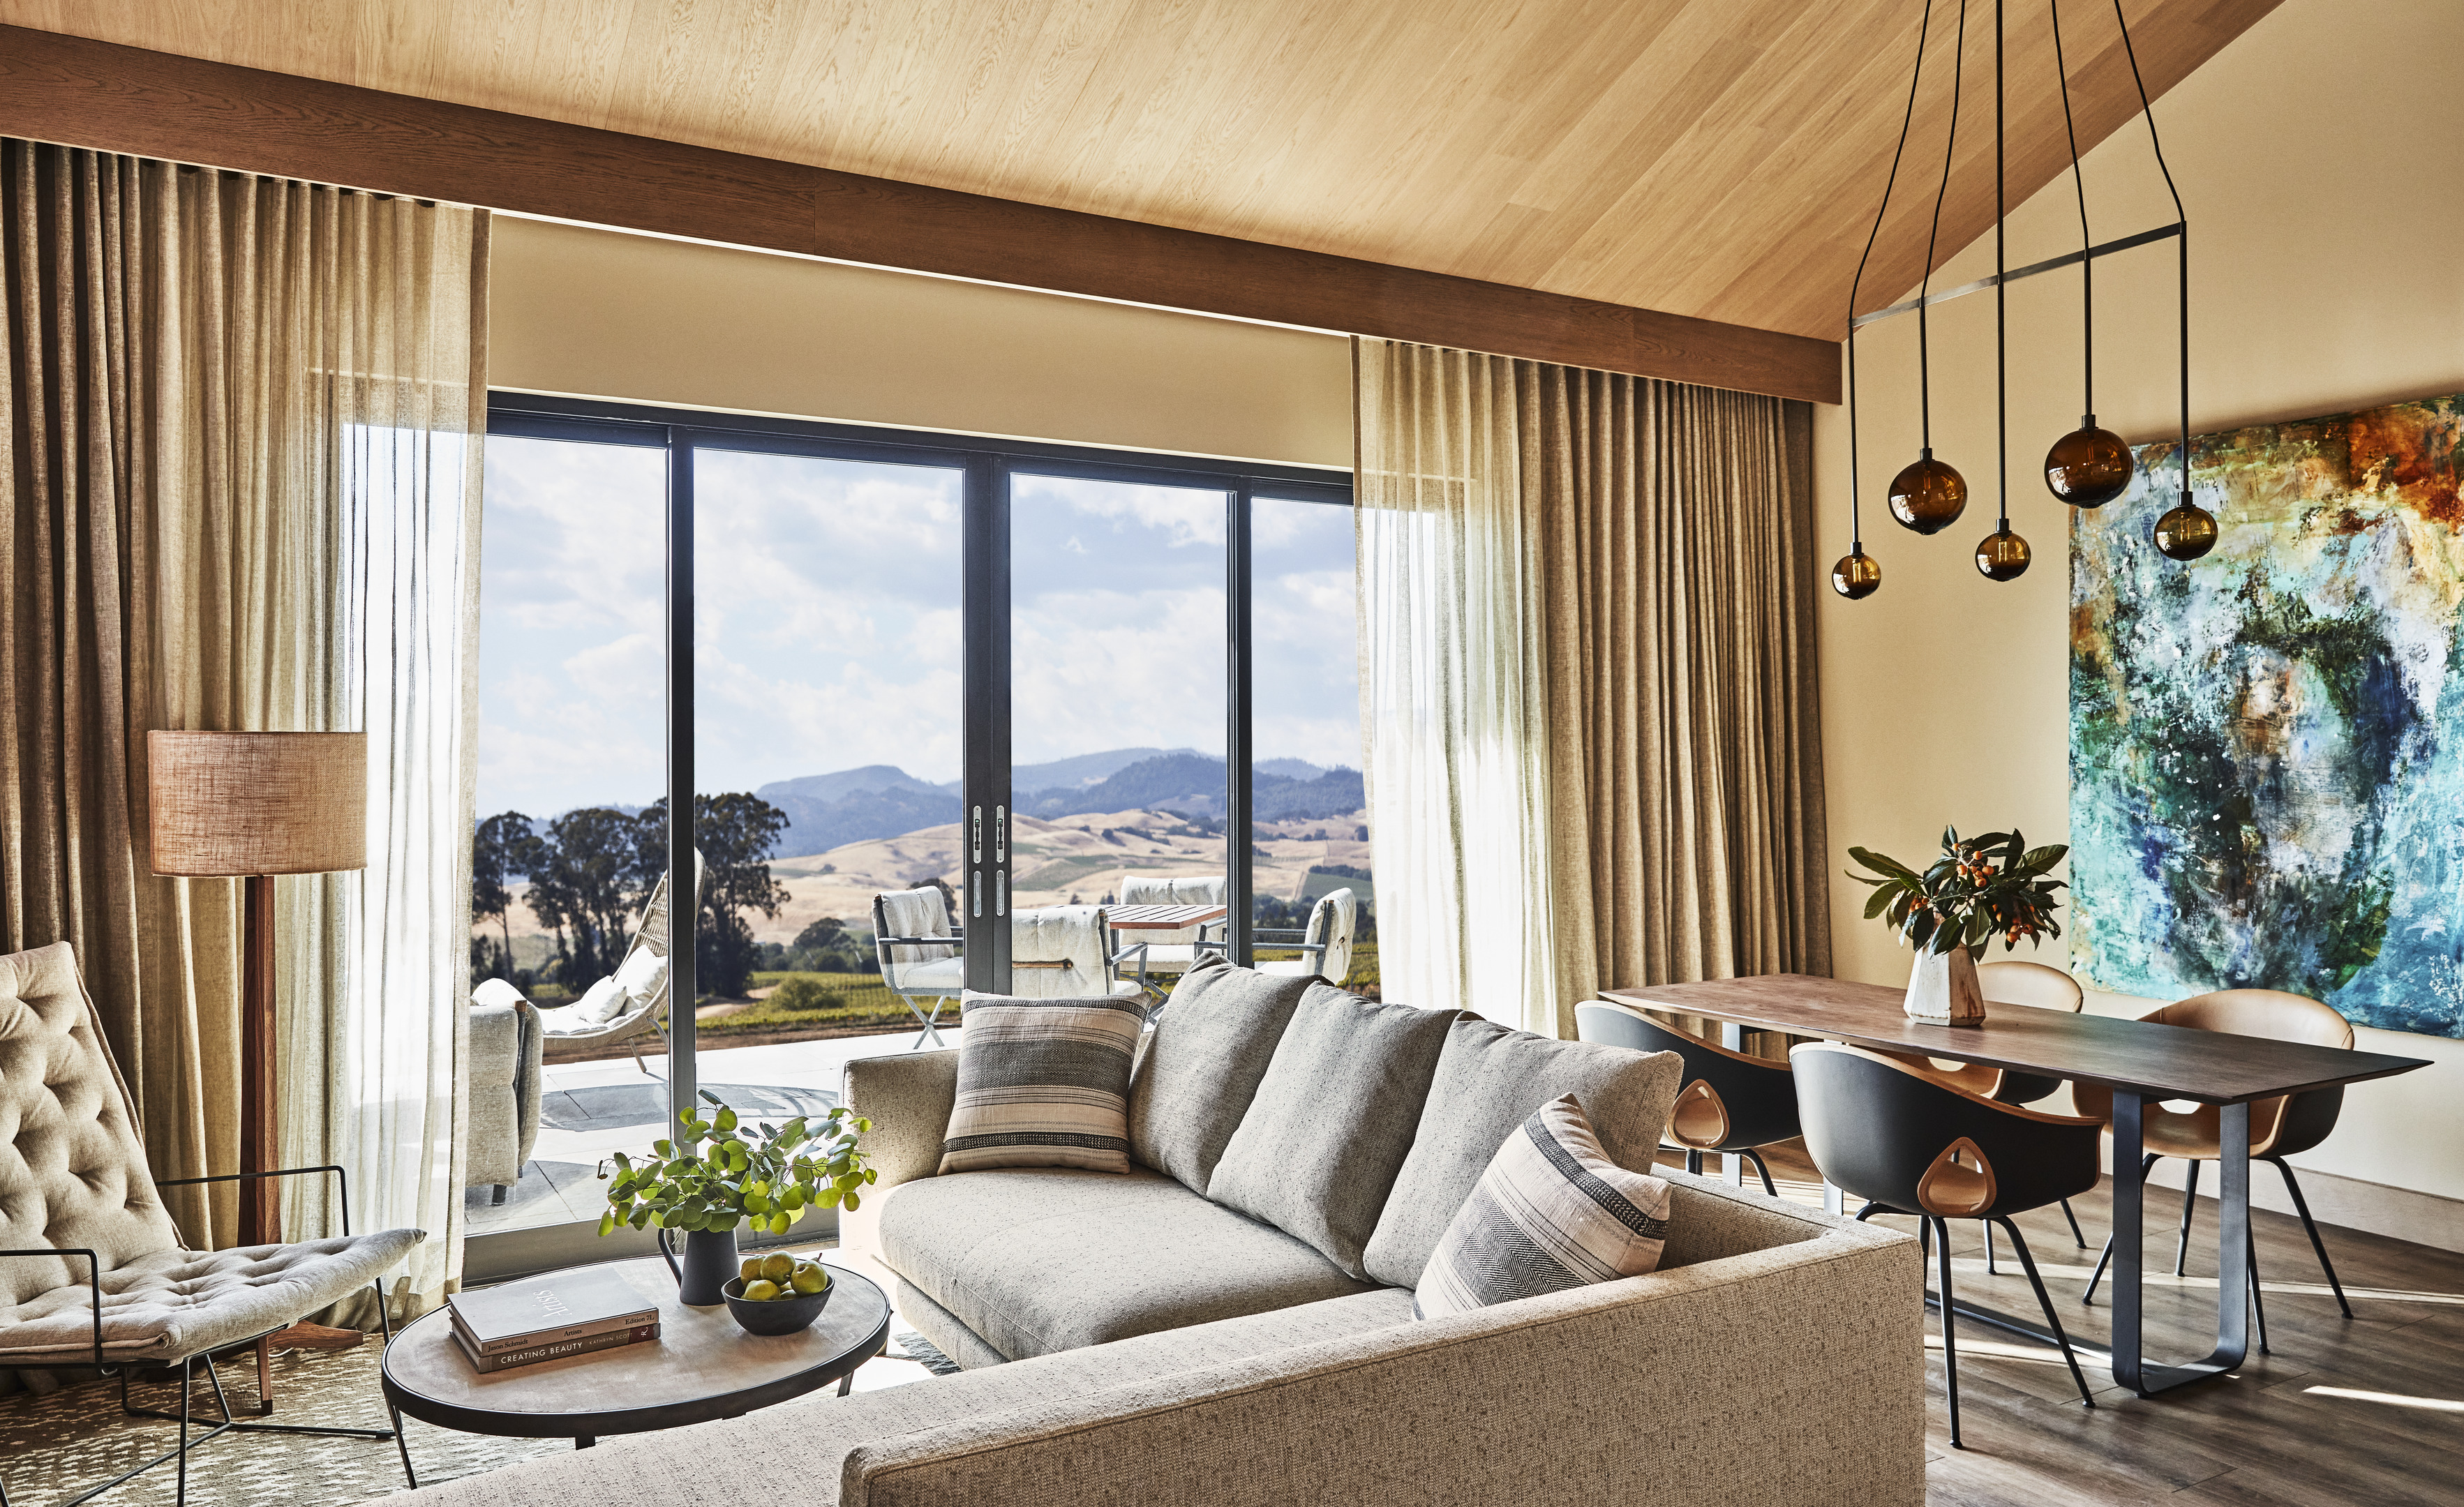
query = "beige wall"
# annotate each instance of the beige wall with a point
(603, 314)
(2320, 157)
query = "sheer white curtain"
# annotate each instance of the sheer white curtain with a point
(1454, 691)
(397, 414)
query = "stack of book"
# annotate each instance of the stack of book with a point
(550, 1318)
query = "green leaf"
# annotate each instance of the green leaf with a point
(608, 1223)
(1879, 902)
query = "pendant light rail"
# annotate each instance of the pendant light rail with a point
(2128, 243)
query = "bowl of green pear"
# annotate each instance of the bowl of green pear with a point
(777, 1293)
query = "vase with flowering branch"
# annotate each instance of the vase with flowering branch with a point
(1978, 889)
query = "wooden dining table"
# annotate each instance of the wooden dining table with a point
(2139, 1060)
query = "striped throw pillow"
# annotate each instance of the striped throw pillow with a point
(1551, 1212)
(1043, 1083)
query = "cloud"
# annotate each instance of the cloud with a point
(827, 631)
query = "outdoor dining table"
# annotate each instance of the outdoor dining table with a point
(2139, 1060)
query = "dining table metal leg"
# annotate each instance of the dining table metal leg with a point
(2130, 1367)
(1732, 1166)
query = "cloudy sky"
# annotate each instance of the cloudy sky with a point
(828, 624)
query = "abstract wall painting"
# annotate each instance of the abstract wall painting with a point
(2267, 745)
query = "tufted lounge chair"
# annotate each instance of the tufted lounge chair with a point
(92, 1271)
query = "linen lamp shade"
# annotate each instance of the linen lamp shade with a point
(231, 804)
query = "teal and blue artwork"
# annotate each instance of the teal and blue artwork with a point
(2267, 744)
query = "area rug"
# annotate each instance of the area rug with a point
(52, 1447)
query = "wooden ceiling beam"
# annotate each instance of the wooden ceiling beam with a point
(100, 95)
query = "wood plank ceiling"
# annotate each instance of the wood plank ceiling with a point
(1713, 158)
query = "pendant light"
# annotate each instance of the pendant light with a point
(2087, 467)
(2188, 531)
(2090, 466)
(1928, 495)
(1858, 575)
(2003, 555)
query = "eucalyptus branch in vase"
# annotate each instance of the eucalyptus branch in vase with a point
(1979, 888)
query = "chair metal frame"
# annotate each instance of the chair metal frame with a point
(188, 1363)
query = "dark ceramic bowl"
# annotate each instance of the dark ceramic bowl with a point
(778, 1316)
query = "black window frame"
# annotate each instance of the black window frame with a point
(986, 464)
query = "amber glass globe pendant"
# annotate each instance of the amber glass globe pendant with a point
(1858, 576)
(2003, 555)
(1928, 495)
(2089, 466)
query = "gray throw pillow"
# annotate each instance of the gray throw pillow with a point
(1488, 1080)
(1333, 1120)
(1202, 1064)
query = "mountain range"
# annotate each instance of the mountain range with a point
(881, 801)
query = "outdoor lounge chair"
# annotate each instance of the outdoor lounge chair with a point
(626, 1006)
(1325, 946)
(110, 1286)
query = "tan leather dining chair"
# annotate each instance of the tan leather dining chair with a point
(2278, 1128)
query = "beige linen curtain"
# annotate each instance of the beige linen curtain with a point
(243, 492)
(1588, 682)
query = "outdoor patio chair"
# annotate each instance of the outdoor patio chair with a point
(1058, 952)
(500, 1081)
(626, 1006)
(1325, 946)
(919, 953)
(111, 1286)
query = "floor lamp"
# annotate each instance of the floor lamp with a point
(252, 805)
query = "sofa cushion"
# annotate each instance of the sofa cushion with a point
(1043, 1083)
(1202, 1066)
(1550, 1212)
(1039, 1261)
(1488, 1079)
(1333, 1121)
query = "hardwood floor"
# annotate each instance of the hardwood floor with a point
(2369, 1410)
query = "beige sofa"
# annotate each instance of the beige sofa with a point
(1129, 1339)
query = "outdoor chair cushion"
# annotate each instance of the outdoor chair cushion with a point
(1488, 1080)
(1039, 1261)
(1333, 1120)
(175, 1304)
(943, 976)
(601, 1002)
(1202, 1064)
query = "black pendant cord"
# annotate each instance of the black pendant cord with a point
(2182, 242)
(1856, 526)
(2001, 286)
(1949, 147)
(2087, 242)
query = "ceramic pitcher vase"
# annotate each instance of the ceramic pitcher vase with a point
(1943, 989)
(710, 1263)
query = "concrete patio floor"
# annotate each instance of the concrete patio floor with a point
(590, 1109)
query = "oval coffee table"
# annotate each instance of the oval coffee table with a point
(700, 1367)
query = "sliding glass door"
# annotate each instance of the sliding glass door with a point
(1022, 676)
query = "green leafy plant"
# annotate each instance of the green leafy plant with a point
(1979, 887)
(714, 1175)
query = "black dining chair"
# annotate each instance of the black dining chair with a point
(2278, 1128)
(2013, 981)
(1907, 1144)
(1731, 1103)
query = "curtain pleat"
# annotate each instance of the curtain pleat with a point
(1588, 682)
(242, 492)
